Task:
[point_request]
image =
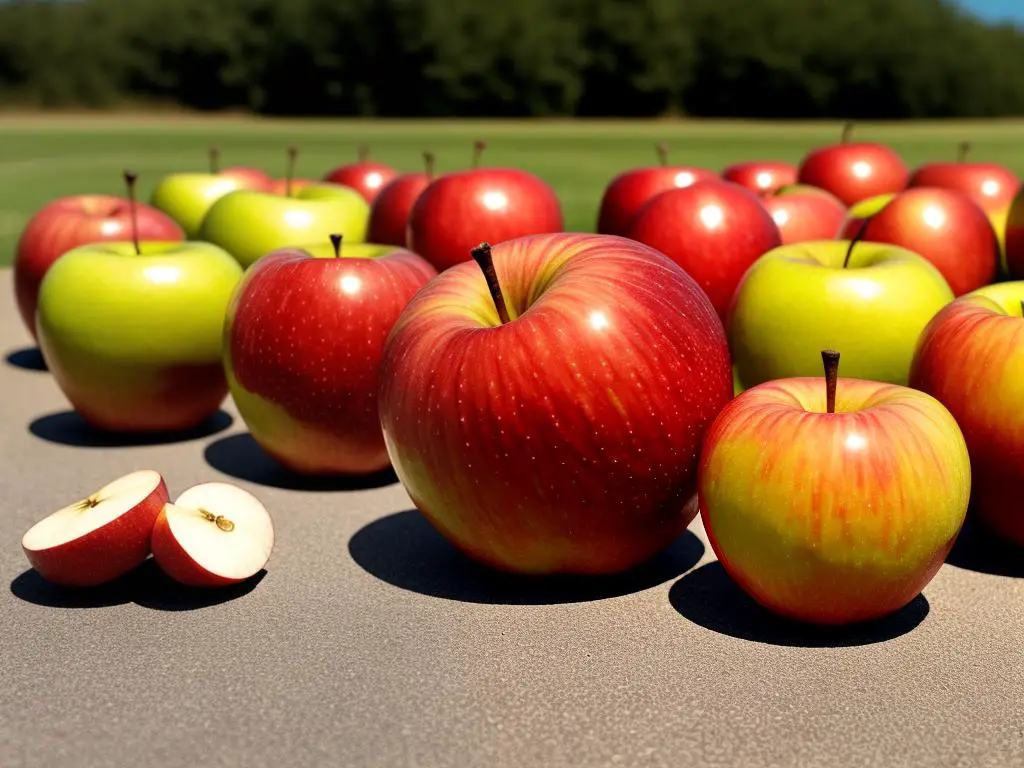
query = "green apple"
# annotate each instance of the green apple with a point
(799, 299)
(186, 197)
(134, 339)
(249, 225)
(325, 190)
(865, 209)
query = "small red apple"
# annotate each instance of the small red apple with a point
(854, 171)
(761, 176)
(804, 217)
(365, 176)
(990, 185)
(389, 214)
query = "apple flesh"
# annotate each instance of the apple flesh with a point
(213, 535)
(544, 444)
(803, 217)
(101, 537)
(833, 518)
(762, 177)
(311, 402)
(971, 358)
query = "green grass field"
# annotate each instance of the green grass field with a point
(45, 157)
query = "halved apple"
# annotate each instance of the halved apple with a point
(213, 535)
(101, 537)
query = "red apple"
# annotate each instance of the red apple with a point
(365, 176)
(100, 537)
(990, 185)
(947, 228)
(303, 344)
(854, 171)
(69, 222)
(213, 535)
(971, 358)
(565, 439)
(459, 210)
(713, 229)
(247, 176)
(761, 176)
(389, 214)
(629, 191)
(803, 217)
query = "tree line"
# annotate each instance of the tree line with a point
(735, 58)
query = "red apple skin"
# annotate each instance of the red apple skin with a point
(762, 177)
(366, 177)
(802, 218)
(713, 229)
(251, 178)
(106, 553)
(971, 358)
(945, 227)
(854, 171)
(307, 336)
(989, 185)
(630, 191)
(1014, 238)
(389, 213)
(174, 561)
(460, 210)
(69, 222)
(565, 441)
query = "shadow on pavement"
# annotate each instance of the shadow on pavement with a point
(28, 359)
(978, 549)
(68, 428)
(146, 586)
(709, 597)
(241, 457)
(405, 550)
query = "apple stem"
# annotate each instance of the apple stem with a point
(129, 181)
(428, 164)
(219, 520)
(830, 358)
(483, 257)
(847, 133)
(214, 160)
(289, 172)
(661, 149)
(856, 239)
(478, 150)
(363, 153)
(336, 243)
(963, 149)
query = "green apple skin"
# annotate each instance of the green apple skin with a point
(186, 197)
(135, 341)
(865, 209)
(798, 300)
(249, 225)
(325, 190)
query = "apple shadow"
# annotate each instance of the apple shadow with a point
(708, 597)
(27, 359)
(405, 550)
(241, 457)
(979, 549)
(146, 586)
(68, 428)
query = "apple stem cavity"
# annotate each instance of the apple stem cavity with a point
(661, 149)
(478, 150)
(847, 134)
(485, 260)
(428, 165)
(129, 181)
(830, 359)
(336, 244)
(289, 171)
(214, 160)
(963, 149)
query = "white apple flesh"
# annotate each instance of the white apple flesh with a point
(101, 537)
(213, 535)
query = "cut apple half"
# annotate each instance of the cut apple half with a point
(213, 535)
(101, 537)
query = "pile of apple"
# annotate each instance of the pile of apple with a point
(567, 402)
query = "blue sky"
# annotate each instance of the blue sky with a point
(996, 10)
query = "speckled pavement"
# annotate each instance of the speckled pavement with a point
(369, 642)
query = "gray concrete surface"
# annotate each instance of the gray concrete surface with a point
(369, 642)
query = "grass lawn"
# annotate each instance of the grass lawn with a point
(46, 157)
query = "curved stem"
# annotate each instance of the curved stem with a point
(363, 153)
(129, 181)
(963, 149)
(483, 257)
(830, 359)
(661, 149)
(478, 150)
(847, 133)
(856, 239)
(214, 160)
(428, 165)
(289, 171)
(336, 243)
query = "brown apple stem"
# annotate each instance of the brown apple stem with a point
(478, 150)
(428, 165)
(363, 153)
(847, 133)
(485, 260)
(963, 149)
(336, 243)
(289, 171)
(661, 149)
(830, 358)
(129, 181)
(219, 520)
(856, 239)
(214, 160)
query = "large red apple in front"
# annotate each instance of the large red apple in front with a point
(69, 222)
(304, 337)
(459, 210)
(713, 229)
(854, 171)
(762, 177)
(990, 185)
(564, 440)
